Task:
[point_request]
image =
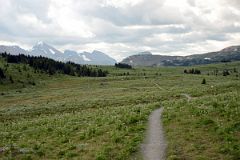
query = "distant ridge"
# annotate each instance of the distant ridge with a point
(14, 50)
(145, 53)
(225, 55)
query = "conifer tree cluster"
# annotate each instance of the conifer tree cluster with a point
(51, 66)
(123, 65)
(192, 71)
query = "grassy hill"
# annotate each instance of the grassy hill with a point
(73, 117)
(22, 70)
(19, 75)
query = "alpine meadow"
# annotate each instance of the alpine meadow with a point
(120, 80)
(60, 116)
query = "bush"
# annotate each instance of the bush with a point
(204, 81)
(226, 72)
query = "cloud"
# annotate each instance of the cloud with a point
(151, 12)
(122, 28)
(233, 3)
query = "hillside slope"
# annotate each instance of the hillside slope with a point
(21, 70)
(225, 55)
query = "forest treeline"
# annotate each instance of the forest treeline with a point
(123, 65)
(51, 66)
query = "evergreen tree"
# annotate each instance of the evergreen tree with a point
(204, 81)
(11, 79)
(2, 75)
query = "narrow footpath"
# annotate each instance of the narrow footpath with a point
(154, 145)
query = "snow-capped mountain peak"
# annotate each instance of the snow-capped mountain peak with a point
(46, 50)
(40, 43)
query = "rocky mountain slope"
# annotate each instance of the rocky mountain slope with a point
(228, 54)
(14, 50)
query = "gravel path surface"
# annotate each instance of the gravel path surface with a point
(154, 145)
(187, 96)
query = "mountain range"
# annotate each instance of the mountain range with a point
(45, 50)
(141, 59)
(148, 59)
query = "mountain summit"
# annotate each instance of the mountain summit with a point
(97, 57)
(45, 50)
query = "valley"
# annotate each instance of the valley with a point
(70, 117)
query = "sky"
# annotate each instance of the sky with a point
(122, 27)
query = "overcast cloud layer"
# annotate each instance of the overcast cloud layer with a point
(122, 27)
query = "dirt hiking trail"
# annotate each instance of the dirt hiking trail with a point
(154, 145)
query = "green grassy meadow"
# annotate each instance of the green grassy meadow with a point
(66, 117)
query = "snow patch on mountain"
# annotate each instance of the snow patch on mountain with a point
(85, 58)
(40, 43)
(51, 51)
